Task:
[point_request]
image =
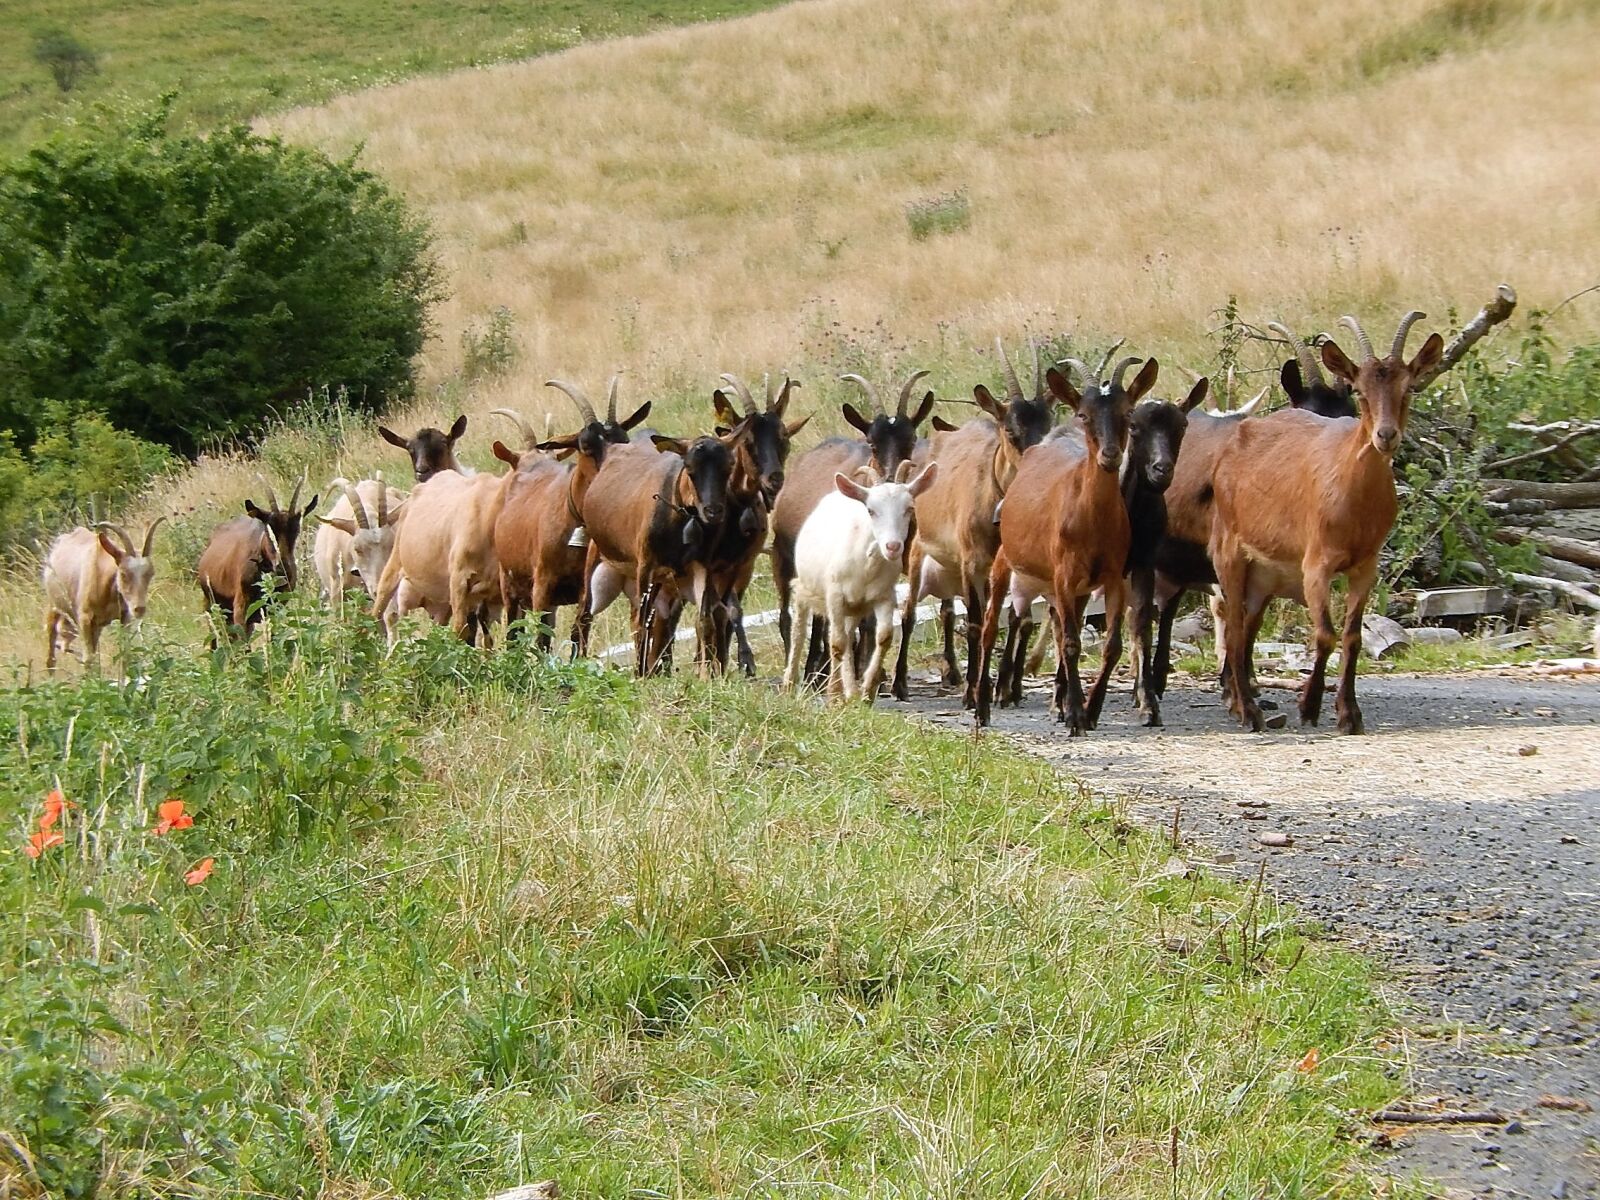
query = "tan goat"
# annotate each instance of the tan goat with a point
(91, 580)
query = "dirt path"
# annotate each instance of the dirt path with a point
(1459, 842)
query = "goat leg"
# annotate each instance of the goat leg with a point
(792, 664)
(1161, 661)
(976, 601)
(951, 676)
(1318, 587)
(1069, 646)
(1361, 577)
(1116, 608)
(583, 621)
(1233, 570)
(1144, 615)
(819, 661)
(999, 574)
(747, 658)
(908, 621)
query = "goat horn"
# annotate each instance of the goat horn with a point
(122, 534)
(611, 398)
(1121, 369)
(768, 387)
(744, 392)
(585, 409)
(149, 536)
(1038, 369)
(358, 506)
(905, 391)
(783, 394)
(872, 392)
(383, 499)
(294, 496)
(1354, 326)
(1310, 369)
(1244, 410)
(1400, 335)
(1089, 377)
(1013, 384)
(529, 438)
(272, 496)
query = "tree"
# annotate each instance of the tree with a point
(188, 288)
(69, 59)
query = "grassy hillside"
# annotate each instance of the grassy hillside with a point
(235, 59)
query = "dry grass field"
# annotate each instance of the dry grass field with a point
(721, 196)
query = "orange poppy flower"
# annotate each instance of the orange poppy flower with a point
(42, 841)
(1309, 1063)
(201, 872)
(172, 817)
(53, 804)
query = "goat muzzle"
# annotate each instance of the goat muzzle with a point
(1386, 440)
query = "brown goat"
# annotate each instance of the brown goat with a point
(1300, 500)
(243, 552)
(431, 450)
(91, 578)
(1064, 531)
(957, 532)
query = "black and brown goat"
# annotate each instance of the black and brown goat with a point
(1301, 500)
(759, 455)
(536, 536)
(1064, 533)
(1305, 384)
(431, 450)
(244, 552)
(957, 532)
(652, 513)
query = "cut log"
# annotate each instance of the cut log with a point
(1490, 315)
(1460, 602)
(1578, 595)
(1558, 495)
(1572, 550)
(1557, 569)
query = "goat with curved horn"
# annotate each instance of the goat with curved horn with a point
(1089, 378)
(743, 389)
(90, 581)
(905, 392)
(611, 398)
(1121, 369)
(1309, 366)
(529, 438)
(872, 392)
(150, 537)
(575, 393)
(358, 507)
(1362, 340)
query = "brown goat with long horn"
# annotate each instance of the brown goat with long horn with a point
(1300, 500)
(243, 552)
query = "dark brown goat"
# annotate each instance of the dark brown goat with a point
(957, 532)
(1301, 500)
(431, 450)
(243, 552)
(1064, 531)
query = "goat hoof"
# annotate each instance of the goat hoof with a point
(1153, 720)
(1351, 723)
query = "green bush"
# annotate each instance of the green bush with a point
(67, 59)
(187, 288)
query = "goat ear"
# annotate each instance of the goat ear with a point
(343, 524)
(459, 428)
(849, 487)
(252, 511)
(791, 430)
(940, 425)
(921, 415)
(1337, 361)
(505, 454)
(668, 445)
(639, 414)
(860, 423)
(1144, 380)
(1428, 357)
(726, 413)
(1293, 386)
(309, 506)
(988, 403)
(393, 438)
(109, 545)
(1197, 395)
(925, 480)
(1061, 388)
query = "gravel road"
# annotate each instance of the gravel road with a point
(1458, 843)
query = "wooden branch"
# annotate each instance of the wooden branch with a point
(1517, 508)
(1406, 1116)
(1543, 451)
(1490, 315)
(1559, 495)
(1572, 550)
(1578, 595)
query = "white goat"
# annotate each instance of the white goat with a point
(355, 539)
(90, 581)
(847, 557)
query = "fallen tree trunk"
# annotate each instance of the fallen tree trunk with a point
(1578, 595)
(1572, 550)
(1490, 315)
(1559, 495)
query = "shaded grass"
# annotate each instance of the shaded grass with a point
(688, 939)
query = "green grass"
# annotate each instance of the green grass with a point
(235, 59)
(478, 920)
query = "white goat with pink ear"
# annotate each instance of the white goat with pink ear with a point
(847, 557)
(93, 577)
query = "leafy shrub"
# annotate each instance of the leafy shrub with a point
(186, 288)
(491, 351)
(948, 213)
(68, 59)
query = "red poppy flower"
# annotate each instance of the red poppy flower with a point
(201, 872)
(53, 804)
(1309, 1063)
(42, 841)
(172, 817)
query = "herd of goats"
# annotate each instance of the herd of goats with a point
(1085, 486)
